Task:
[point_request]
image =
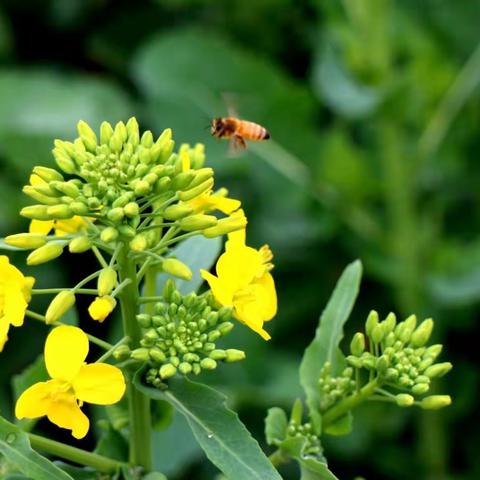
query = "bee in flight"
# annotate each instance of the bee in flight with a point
(238, 130)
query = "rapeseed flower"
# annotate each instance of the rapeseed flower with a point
(72, 383)
(102, 307)
(244, 282)
(15, 293)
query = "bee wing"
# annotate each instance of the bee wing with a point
(229, 100)
(236, 146)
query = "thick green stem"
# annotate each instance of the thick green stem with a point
(73, 454)
(139, 404)
(349, 403)
(278, 458)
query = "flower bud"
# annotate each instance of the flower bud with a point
(122, 352)
(420, 388)
(438, 370)
(196, 191)
(87, 135)
(140, 354)
(176, 268)
(116, 214)
(226, 225)
(45, 254)
(225, 327)
(79, 208)
(177, 212)
(197, 222)
(64, 161)
(80, 244)
(218, 354)
(67, 188)
(382, 364)
(48, 174)
(26, 240)
(234, 355)
(106, 132)
(389, 323)
(372, 321)
(357, 345)
(434, 402)
(101, 308)
(107, 280)
(404, 400)
(142, 187)
(131, 209)
(35, 212)
(422, 334)
(182, 180)
(167, 371)
(201, 175)
(185, 368)
(109, 234)
(208, 363)
(354, 361)
(32, 192)
(62, 302)
(378, 332)
(157, 355)
(139, 243)
(296, 416)
(59, 211)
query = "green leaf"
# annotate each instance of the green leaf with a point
(112, 444)
(78, 473)
(162, 414)
(275, 426)
(313, 469)
(329, 333)
(15, 446)
(342, 426)
(218, 430)
(198, 253)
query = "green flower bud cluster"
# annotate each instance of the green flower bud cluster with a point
(124, 181)
(181, 336)
(399, 354)
(312, 444)
(334, 389)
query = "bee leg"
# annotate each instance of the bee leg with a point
(239, 142)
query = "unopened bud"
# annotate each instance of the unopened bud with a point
(218, 354)
(140, 354)
(176, 268)
(64, 161)
(177, 212)
(225, 226)
(48, 174)
(354, 361)
(87, 135)
(107, 281)
(404, 400)
(131, 209)
(62, 302)
(26, 240)
(101, 308)
(157, 355)
(371, 323)
(196, 191)
(167, 371)
(357, 345)
(78, 208)
(389, 323)
(197, 222)
(122, 352)
(208, 363)
(234, 355)
(382, 364)
(378, 332)
(116, 214)
(422, 334)
(59, 211)
(438, 370)
(45, 254)
(109, 234)
(80, 244)
(434, 402)
(433, 351)
(35, 212)
(33, 192)
(139, 243)
(185, 368)
(297, 412)
(142, 187)
(106, 132)
(420, 388)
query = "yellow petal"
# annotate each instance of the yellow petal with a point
(222, 292)
(224, 204)
(41, 226)
(238, 266)
(65, 350)
(36, 180)
(15, 305)
(35, 401)
(4, 327)
(101, 307)
(269, 300)
(66, 413)
(71, 225)
(99, 383)
(249, 314)
(237, 238)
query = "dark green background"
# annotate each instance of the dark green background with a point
(374, 111)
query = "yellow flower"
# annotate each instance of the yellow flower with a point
(61, 227)
(244, 282)
(72, 383)
(208, 201)
(101, 307)
(15, 292)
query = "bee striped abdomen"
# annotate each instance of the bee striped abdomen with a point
(252, 131)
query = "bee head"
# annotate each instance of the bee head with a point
(216, 126)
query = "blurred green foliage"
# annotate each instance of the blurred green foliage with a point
(374, 110)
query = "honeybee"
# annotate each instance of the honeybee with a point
(238, 130)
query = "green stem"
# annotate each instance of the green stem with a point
(138, 404)
(99, 256)
(150, 299)
(278, 458)
(109, 352)
(73, 454)
(349, 403)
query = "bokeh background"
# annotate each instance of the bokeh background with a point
(374, 109)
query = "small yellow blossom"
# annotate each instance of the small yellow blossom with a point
(244, 282)
(101, 307)
(209, 201)
(72, 383)
(15, 292)
(60, 227)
